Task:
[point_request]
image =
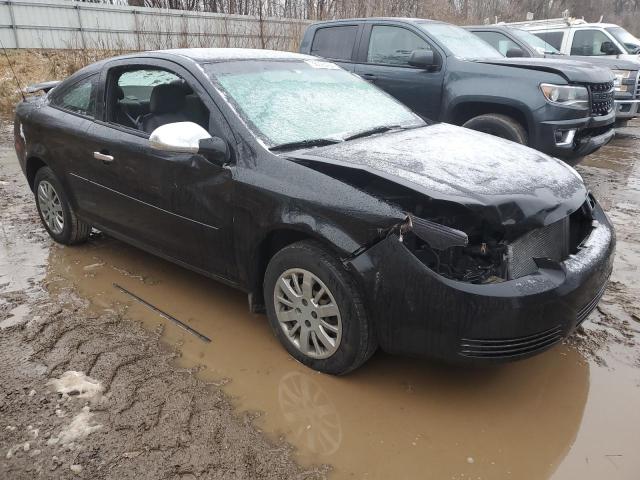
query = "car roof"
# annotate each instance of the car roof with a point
(222, 54)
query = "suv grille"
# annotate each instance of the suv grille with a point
(638, 86)
(601, 98)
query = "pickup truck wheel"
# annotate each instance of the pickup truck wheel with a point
(499, 125)
(316, 310)
(55, 211)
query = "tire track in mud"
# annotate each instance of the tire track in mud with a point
(158, 421)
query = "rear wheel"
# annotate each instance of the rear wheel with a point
(316, 310)
(499, 125)
(55, 211)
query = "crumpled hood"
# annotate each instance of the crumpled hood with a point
(572, 70)
(511, 184)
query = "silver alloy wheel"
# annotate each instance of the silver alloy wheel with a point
(50, 207)
(308, 313)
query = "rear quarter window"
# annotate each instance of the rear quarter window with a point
(78, 98)
(335, 43)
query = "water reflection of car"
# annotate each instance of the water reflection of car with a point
(353, 222)
(515, 42)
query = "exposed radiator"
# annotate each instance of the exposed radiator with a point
(550, 242)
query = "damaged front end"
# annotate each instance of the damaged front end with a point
(484, 255)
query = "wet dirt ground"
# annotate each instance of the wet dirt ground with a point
(240, 407)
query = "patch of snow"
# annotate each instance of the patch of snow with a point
(79, 428)
(77, 383)
(16, 316)
(592, 249)
(75, 468)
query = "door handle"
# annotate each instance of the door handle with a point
(103, 157)
(369, 76)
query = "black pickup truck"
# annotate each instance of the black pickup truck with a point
(445, 73)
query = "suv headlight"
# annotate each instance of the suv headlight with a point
(619, 77)
(569, 96)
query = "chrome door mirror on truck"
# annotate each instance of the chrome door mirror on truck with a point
(189, 137)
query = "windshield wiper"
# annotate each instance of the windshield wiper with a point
(371, 131)
(315, 142)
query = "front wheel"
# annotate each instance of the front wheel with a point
(315, 309)
(55, 211)
(499, 125)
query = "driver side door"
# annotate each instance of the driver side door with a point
(177, 205)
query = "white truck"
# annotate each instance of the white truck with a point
(577, 37)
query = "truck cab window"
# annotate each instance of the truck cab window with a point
(589, 43)
(552, 38)
(499, 41)
(393, 45)
(335, 43)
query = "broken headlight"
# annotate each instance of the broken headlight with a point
(448, 252)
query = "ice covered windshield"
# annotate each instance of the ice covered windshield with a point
(460, 42)
(535, 42)
(295, 101)
(631, 43)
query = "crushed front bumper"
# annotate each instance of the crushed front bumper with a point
(419, 313)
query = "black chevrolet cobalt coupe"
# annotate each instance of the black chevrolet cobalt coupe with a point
(349, 219)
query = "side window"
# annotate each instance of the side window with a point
(499, 41)
(335, 43)
(589, 42)
(79, 98)
(552, 38)
(393, 45)
(147, 98)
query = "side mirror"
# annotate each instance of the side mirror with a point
(189, 137)
(178, 137)
(515, 52)
(422, 59)
(608, 48)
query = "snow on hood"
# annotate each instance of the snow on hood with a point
(453, 163)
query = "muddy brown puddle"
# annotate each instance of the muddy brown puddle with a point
(558, 415)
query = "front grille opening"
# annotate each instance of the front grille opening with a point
(554, 242)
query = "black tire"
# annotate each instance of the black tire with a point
(499, 125)
(74, 230)
(358, 340)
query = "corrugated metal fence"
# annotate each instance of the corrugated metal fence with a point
(66, 24)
